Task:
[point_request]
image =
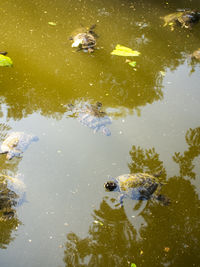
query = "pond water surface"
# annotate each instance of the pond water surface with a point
(68, 219)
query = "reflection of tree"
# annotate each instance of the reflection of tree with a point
(8, 198)
(6, 229)
(145, 161)
(186, 159)
(4, 128)
(177, 227)
(46, 79)
(109, 243)
(170, 236)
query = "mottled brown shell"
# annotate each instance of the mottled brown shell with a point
(129, 181)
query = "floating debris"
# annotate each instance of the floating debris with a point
(5, 61)
(166, 249)
(52, 23)
(124, 51)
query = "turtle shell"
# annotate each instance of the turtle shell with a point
(84, 39)
(92, 116)
(16, 143)
(170, 18)
(143, 184)
(183, 18)
(12, 194)
(138, 186)
(196, 54)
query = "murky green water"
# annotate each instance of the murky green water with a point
(68, 219)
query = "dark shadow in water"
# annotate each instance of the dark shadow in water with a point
(170, 235)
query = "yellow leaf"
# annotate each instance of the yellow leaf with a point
(124, 51)
(52, 23)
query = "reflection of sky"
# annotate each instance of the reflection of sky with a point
(65, 171)
(133, 214)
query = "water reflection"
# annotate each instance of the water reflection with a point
(47, 74)
(9, 197)
(146, 160)
(7, 228)
(4, 128)
(112, 239)
(168, 236)
(90, 115)
(186, 160)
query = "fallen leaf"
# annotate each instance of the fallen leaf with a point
(132, 63)
(5, 61)
(52, 23)
(133, 265)
(124, 51)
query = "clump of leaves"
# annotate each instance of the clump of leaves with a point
(5, 61)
